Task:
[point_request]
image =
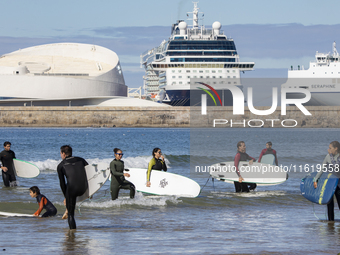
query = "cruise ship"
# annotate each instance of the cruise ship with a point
(322, 79)
(191, 55)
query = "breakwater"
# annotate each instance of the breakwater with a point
(91, 116)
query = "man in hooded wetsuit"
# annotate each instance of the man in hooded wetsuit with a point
(269, 150)
(6, 157)
(73, 169)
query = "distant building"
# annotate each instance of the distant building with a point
(60, 71)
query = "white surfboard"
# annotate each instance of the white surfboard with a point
(261, 174)
(163, 183)
(97, 175)
(268, 159)
(9, 214)
(25, 169)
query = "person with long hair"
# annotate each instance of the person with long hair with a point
(156, 163)
(118, 180)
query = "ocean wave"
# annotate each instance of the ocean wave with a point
(133, 162)
(139, 200)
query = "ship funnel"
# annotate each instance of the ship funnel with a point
(217, 27)
(182, 28)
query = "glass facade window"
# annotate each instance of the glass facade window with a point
(202, 45)
(202, 59)
(201, 53)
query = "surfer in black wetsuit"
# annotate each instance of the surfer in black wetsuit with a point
(156, 163)
(7, 165)
(43, 202)
(118, 176)
(73, 169)
(241, 155)
(269, 150)
(333, 159)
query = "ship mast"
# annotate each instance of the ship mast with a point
(195, 15)
(335, 52)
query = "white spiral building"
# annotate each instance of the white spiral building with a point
(61, 71)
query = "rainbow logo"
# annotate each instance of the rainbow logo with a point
(208, 92)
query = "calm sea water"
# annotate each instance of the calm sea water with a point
(271, 220)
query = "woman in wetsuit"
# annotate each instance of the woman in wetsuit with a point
(156, 163)
(43, 202)
(241, 155)
(118, 176)
(332, 158)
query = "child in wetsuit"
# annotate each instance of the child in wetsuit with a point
(44, 203)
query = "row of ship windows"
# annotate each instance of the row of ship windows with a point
(221, 82)
(200, 53)
(202, 60)
(199, 45)
(231, 65)
(201, 71)
(180, 77)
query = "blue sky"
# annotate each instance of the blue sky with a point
(274, 34)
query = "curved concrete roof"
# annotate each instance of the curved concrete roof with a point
(63, 58)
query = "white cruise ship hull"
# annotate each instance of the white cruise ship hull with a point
(324, 91)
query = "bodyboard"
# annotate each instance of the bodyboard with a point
(324, 192)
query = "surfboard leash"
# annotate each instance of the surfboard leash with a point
(204, 185)
(316, 215)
